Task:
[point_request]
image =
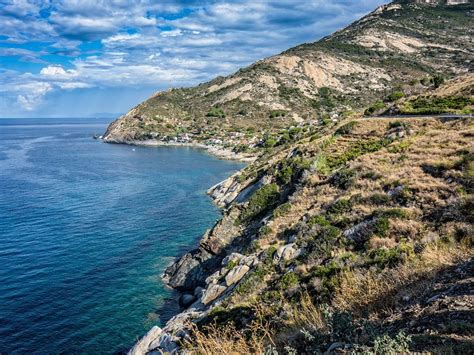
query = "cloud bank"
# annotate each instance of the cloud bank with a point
(58, 46)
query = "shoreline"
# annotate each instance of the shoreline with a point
(218, 152)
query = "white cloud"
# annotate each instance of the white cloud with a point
(32, 94)
(136, 43)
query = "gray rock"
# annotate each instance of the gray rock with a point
(166, 343)
(143, 345)
(286, 252)
(212, 293)
(214, 278)
(236, 274)
(186, 300)
(235, 257)
(198, 291)
(246, 193)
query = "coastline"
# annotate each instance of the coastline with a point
(191, 302)
(219, 152)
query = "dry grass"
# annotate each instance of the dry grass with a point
(227, 339)
(377, 291)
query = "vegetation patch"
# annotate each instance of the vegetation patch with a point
(261, 201)
(216, 112)
(437, 105)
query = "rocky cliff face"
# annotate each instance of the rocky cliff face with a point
(393, 48)
(357, 215)
(367, 197)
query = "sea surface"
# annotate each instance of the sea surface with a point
(86, 228)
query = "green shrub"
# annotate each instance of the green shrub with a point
(261, 200)
(265, 230)
(397, 124)
(216, 112)
(379, 105)
(360, 148)
(318, 220)
(232, 264)
(436, 105)
(278, 113)
(347, 128)
(382, 226)
(386, 345)
(270, 142)
(288, 281)
(340, 206)
(396, 95)
(379, 199)
(385, 257)
(343, 179)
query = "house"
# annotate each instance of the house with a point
(457, 2)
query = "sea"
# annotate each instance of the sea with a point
(86, 229)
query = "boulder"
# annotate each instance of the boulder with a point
(234, 257)
(214, 278)
(236, 274)
(165, 344)
(212, 293)
(186, 300)
(286, 252)
(144, 344)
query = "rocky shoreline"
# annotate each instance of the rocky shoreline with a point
(219, 152)
(203, 276)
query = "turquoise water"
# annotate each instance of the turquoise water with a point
(86, 228)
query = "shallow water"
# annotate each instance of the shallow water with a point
(86, 228)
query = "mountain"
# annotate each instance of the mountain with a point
(357, 240)
(350, 232)
(401, 47)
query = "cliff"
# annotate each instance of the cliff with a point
(350, 232)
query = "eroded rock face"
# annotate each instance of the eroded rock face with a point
(212, 293)
(236, 274)
(143, 345)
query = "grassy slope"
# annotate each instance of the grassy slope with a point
(406, 187)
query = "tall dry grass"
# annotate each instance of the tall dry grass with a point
(378, 291)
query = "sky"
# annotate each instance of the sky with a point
(78, 58)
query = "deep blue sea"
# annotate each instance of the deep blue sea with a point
(86, 228)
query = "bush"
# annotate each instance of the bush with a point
(379, 105)
(343, 179)
(216, 112)
(382, 226)
(270, 142)
(260, 201)
(387, 345)
(340, 206)
(397, 95)
(436, 105)
(347, 128)
(278, 113)
(288, 281)
(360, 148)
(265, 230)
(318, 220)
(384, 257)
(397, 124)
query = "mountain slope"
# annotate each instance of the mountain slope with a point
(400, 46)
(359, 239)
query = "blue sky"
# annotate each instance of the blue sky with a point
(73, 58)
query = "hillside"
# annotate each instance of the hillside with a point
(350, 232)
(399, 48)
(358, 238)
